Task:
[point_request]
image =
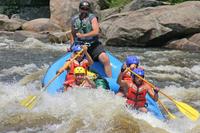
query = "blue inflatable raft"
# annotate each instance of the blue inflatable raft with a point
(57, 84)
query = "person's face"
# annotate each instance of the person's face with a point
(138, 81)
(80, 56)
(133, 66)
(83, 12)
(79, 77)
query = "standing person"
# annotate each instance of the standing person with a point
(137, 90)
(131, 62)
(85, 28)
(80, 80)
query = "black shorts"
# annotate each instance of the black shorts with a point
(95, 50)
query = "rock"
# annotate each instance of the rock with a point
(195, 38)
(40, 25)
(183, 44)
(17, 18)
(107, 12)
(191, 43)
(63, 10)
(57, 37)
(152, 26)
(138, 4)
(2, 16)
(9, 24)
(21, 36)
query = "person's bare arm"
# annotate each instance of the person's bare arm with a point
(71, 39)
(122, 83)
(152, 93)
(91, 82)
(65, 67)
(89, 58)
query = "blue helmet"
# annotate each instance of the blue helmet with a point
(76, 48)
(132, 60)
(139, 72)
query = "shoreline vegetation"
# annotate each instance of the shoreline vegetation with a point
(121, 3)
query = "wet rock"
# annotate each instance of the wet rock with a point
(17, 18)
(2, 16)
(152, 26)
(9, 24)
(192, 43)
(183, 44)
(21, 36)
(40, 25)
(57, 37)
(195, 38)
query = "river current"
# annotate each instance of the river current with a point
(23, 65)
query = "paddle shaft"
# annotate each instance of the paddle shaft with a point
(170, 115)
(151, 84)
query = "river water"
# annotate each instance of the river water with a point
(22, 66)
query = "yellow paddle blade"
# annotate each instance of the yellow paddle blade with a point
(187, 110)
(29, 102)
(24, 101)
(171, 116)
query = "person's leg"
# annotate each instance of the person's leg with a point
(103, 58)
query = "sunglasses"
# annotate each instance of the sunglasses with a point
(84, 8)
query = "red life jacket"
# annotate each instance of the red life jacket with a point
(127, 76)
(69, 82)
(73, 65)
(136, 96)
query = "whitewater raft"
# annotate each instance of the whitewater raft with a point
(57, 85)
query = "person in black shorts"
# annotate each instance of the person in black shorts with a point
(85, 28)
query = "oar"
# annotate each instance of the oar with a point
(169, 114)
(30, 101)
(186, 109)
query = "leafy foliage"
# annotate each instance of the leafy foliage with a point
(117, 3)
(177, 1)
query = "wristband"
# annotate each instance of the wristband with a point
(123, 69)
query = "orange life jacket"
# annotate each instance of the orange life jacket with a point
(136, 95)
(128, 75)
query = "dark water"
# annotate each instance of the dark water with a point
(22, 66)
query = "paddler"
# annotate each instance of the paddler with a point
(131, 62)
(85, 28)
(137, 90)
(84, 60)
(80, 80)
